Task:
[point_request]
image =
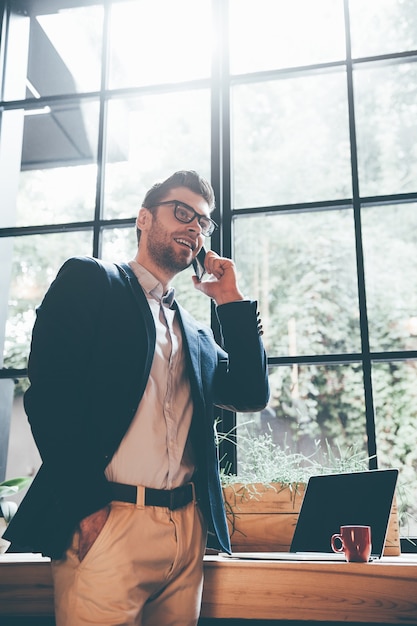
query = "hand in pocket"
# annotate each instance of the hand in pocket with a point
(90, 528)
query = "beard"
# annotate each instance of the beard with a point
(163, 253)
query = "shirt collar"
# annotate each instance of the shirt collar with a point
(151, 285)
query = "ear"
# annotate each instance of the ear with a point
(144, 218)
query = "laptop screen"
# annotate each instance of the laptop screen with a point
(334, 500)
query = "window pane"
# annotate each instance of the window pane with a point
(382, 26)
(317, 411)
(390, 255)
(301, 268)
(291, 141)
(395, 394)
(33, 265)
(269, 34)
(119, 244)
(58, 178)
(154, 41)
(61, 194)
(149, 138)
(54, 64)
(386, 105)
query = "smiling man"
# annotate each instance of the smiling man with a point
(124, 385)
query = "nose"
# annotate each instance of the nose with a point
(195, 224)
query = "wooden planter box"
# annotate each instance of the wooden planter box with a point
(262, 518)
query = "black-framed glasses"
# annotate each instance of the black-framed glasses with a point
(186, 214)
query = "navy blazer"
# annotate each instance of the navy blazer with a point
(91, 353)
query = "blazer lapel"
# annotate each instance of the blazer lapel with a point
(190, 333)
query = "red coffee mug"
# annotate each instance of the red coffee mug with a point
(355, 543)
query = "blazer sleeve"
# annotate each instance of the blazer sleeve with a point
(241, 381)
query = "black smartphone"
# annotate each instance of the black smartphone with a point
(198, 264)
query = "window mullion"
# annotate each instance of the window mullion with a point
(363, 315)
(101, 147)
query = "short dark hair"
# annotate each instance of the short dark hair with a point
(183, 178)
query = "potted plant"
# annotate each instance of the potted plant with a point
(263, 501)
(8, 508)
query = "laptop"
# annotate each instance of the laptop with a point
(334, 500)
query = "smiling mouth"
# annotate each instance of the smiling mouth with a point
(185, 242)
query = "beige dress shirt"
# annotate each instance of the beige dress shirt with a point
(155, 451)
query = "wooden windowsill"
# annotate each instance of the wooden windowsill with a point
(379, 592)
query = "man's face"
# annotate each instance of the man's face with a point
(167, 243)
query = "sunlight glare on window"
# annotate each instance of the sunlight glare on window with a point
(382, 26)
(273, 34)
(155, 41)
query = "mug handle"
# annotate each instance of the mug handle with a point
(333, 540)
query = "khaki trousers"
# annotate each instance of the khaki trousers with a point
(144, 569)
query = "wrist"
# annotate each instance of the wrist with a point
(229, 297)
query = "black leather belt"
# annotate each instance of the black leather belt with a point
(171, 499)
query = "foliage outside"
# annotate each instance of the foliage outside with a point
(261, 460)
(10, 488)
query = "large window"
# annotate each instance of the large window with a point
(303, 116)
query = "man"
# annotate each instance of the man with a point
(121, 404)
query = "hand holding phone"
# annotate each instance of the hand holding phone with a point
(221, 285)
